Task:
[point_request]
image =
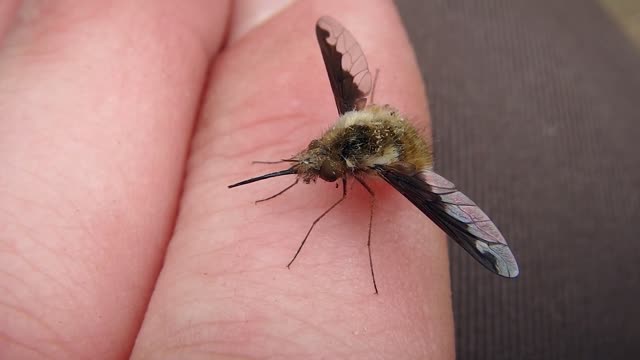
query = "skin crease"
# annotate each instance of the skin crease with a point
(98, 181)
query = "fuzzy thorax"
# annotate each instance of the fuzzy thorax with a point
(360, 140)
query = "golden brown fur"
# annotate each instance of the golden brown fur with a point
(376, 135)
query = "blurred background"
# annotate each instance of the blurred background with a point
(536, 116)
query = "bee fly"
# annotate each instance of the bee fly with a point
(373, 140)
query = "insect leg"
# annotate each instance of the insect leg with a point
(373, 200)
(344, 195)
(373, 87)
(273, 162)
(278, 194)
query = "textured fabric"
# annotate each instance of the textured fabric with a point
(536, 116)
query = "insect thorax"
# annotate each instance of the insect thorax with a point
(359, 140)
(377, 135)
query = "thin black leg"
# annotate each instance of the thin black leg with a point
(344, 195)
(280, 193)
(273, 162)
(373, 200)
(373, 87)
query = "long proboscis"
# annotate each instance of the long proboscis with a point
(289, 171)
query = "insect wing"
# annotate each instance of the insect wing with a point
(346, 65)
(457, 216)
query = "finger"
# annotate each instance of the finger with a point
(8, 9)
(248, 14)
(225, 288)
(98, 101)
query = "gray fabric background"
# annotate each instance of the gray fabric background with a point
(536, 111)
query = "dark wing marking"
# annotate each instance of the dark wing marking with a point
(457, 216)
(346, 65)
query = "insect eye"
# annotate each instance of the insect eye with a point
(329, 171)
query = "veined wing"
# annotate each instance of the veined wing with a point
(457, 216)
(346, 65)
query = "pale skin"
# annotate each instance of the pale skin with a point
(118, 235)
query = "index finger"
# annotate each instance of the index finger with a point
(225, 281)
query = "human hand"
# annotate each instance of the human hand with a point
(106, 172)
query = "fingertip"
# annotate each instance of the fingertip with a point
(248, 14)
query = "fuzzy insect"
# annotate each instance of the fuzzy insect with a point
(374, 140)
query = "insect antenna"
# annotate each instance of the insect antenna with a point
(290, 171)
